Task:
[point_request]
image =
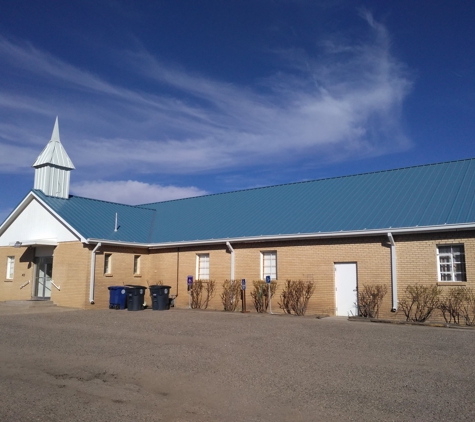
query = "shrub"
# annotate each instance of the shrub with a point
(295, 296)
(419, 302)
(452, 304)
(370, 299)
(201, 293)
(231, 295)
(260, 294)
(468, 307)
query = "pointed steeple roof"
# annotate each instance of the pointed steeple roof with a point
(54, 152)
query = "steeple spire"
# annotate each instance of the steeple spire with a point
(52, 167)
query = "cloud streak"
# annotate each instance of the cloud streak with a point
(132, 192)
(344, 104)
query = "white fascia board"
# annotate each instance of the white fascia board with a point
(298, 236)
(16, 212)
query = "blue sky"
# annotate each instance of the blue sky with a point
(165, 99)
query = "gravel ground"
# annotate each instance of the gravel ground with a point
(183, 365)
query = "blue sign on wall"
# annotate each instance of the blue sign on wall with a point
(190, 280)
(243, 284)
(268, 279)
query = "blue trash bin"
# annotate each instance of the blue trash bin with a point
(117, 297)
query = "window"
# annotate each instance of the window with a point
(136, 264)
(202, 266)
(10, 266)
(107, 263)
(269, 265)
(451, 261)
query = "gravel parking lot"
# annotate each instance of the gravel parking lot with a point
(184, 365)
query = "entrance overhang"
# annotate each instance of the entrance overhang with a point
(35, 242)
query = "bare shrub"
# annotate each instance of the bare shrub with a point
(370, 299)
(468, 307)
(260, 294)
(295, 296)
(419, 302)
(201, 293)
(231, 295)
(452, 304)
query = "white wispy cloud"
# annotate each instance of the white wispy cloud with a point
(132, 192)
(345, 103)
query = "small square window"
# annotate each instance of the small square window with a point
(269, 265)
(10, 267)
(107, 263)
(202, 266)
(136, 264)
(451, 263)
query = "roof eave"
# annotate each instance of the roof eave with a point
(297, 236)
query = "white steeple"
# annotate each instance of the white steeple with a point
(52, 167)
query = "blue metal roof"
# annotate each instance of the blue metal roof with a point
(428, 195)
(96, 219)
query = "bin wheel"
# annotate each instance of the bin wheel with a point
(111, 306)
(142, 307)
(117, 306)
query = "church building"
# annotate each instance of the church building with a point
(395, 228)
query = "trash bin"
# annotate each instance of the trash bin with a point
(160, 297)
(135, 297)
(117, 297)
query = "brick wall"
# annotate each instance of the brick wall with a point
(305, 260)
(23, 271)
(71, 262)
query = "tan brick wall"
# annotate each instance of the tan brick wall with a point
(23, 271)
(71, 262)
(122, 273)
(417, 260)
(305, 260)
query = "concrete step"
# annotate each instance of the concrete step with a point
(32, 303)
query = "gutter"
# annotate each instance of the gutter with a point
(297, 236)
(393, 273)
(232, 260)
(93, 273)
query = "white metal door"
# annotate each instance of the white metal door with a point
(346, 289)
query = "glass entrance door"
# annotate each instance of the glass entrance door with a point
(44, 271)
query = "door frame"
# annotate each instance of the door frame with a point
(355, 307)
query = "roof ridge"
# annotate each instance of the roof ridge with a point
(310, 181)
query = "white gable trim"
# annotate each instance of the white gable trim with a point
(22, 206)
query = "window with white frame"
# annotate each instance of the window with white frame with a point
(202, 266)
(136, 264)
(269, 265)
(451, 260)
(10, 267)
(107, 263)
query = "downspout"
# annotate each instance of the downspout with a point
(93, 273)
(232, 259)
(177, 269)
(393, 273)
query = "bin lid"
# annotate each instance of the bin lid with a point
(134, 286)
(115, 287)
